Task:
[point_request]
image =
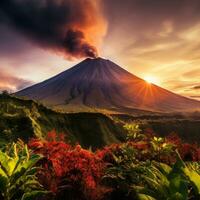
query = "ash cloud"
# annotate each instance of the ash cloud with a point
(74, 43)
(68, 27)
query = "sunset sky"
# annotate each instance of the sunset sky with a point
(153, 39)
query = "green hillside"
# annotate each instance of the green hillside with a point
(25, 119)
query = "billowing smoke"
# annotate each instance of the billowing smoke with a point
(72, 28)
(75, 43)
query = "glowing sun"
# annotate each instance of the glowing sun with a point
(151, 79)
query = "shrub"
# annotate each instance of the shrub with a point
(179, 181)
(151, 168)
(144, 167)
(69, 172)
(122, 170)
(18, 174)
(188, 152)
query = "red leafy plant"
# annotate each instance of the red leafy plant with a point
(143, 149)
(72, 172)
(188, 152)
(69, 172)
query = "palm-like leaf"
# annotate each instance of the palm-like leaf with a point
(192, 171)
(17, 174)
(163, 182)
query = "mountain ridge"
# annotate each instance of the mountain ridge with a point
(101, 83)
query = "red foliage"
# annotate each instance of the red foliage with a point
(140, 145)
(188, 152)
(106, 154)
(149, 132)
(71, 167)
(74, 169)
(174, 139)
(53, 136)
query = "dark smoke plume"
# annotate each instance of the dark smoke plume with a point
(74, 43)
(69, 27)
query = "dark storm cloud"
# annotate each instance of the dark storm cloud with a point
(59, 25)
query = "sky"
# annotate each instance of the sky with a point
(157, 40)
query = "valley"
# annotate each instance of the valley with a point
(27, 119)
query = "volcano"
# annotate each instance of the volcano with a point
(100, 83)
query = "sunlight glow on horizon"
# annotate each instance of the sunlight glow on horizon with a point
(152, 80)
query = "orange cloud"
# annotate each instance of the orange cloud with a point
(12, 83)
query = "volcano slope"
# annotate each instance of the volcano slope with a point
(101, 84)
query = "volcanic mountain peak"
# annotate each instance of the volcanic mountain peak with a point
(97, 59)
(96, 63)
(100, 83)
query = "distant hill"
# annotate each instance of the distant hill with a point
(101, 84)
(26, 119)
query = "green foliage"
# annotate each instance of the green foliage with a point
(161, 181)
(136, 169)
(159, 147)
(150, 168)
(123, 165)
(144, 167)
(25, 119)
(134, 132)
(122, 173)
(192, 172)
(151, 180)
(18, 174)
